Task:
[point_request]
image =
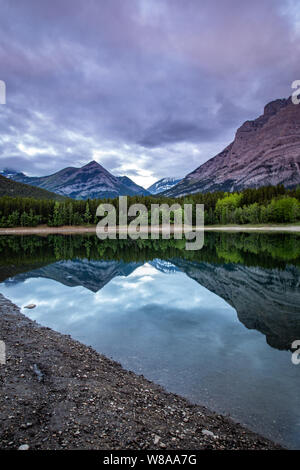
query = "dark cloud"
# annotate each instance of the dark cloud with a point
(176, 131)
(141, 84)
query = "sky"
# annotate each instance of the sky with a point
(148, 88)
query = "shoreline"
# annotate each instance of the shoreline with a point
(68, 230)
(61, 394)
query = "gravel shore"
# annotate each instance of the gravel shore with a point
(59, 394)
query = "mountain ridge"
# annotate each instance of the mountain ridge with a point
(164, 184)
(91, 181)
(11, 188)
(278, 289)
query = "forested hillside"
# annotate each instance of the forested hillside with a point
(271, 204)
(12, 188)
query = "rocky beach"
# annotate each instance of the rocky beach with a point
(60, 394)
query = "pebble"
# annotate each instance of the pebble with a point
(24, 447)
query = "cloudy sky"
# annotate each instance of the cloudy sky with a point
(148, 88)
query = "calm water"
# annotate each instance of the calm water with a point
(215, 326)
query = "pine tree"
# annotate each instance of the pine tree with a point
(87, 214)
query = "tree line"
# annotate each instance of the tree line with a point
(21, 254)
(269, 204)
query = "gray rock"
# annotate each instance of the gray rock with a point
(205, 432)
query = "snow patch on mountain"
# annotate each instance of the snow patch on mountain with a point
(163, 185)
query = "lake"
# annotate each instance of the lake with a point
(214, 325)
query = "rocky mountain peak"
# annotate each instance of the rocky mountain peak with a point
(274, 106)
(90, 181)
(92, 164)
(163, 184)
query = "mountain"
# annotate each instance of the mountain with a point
(89, 182)
(265, 151)
(13, 175)
(163, 185)
(15, 189)
(266, 300)
(163, 266)
(92, 275)
(138, 190)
